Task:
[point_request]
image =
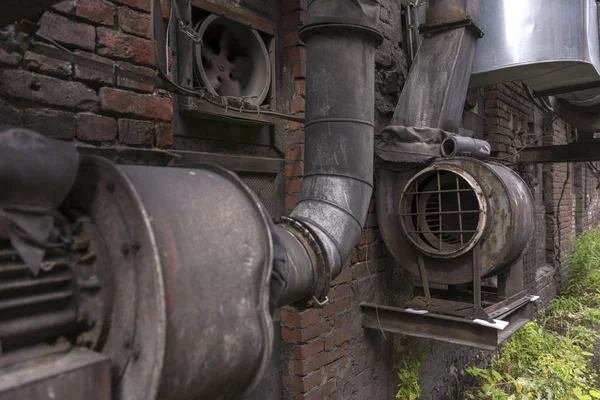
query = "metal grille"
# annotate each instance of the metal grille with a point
(440, 211)
(268, 189)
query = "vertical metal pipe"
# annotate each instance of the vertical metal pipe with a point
(340, 96)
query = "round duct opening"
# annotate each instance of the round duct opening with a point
(232, 60)
(443, 211)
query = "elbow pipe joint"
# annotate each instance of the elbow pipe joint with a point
(340, 40)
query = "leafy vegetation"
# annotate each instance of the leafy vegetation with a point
(551, 358)
(409, 388)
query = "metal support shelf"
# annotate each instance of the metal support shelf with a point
(449, 329)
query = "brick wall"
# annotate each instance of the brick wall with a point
(565, 195)
(76, 103)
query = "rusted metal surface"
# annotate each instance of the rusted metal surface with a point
(78, 374)
(506, 233)
(461, 331)
(64, 298)
(574, 152)
(238, 14)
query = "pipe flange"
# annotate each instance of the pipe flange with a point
(321, 273)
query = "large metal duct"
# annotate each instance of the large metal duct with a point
(340, 38)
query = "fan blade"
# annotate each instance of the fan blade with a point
(231, 88)
(242, 68)
(213, 79)
(208, 57)
(223, 44)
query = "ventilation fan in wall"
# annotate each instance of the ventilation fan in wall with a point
(232, 60)
(454, 223)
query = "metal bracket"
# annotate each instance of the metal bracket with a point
(429, 30)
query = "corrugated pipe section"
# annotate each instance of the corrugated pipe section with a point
(327, 222)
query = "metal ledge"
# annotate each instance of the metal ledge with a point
(461, 331)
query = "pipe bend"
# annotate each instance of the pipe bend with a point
(340, 42)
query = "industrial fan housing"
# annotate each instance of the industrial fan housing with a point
(232, 60)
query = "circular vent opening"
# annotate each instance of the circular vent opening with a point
(443, 212)
(232, 60)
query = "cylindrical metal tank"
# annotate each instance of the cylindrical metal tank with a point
(441, 212)
(191, 254)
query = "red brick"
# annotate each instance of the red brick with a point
(336, 396)
(342, 321)
(302, 384)
(295, 137)
(47, 90)
(336, 307)
(135, 84)
(38, 62)
(336, 339)
(292, 20)
(296, 54)
(343, 277)
(126, 47)
(307, 350)
(134, 22)
(10, 59)
(294, 169)
(66, 6)
(342, 291)
(98, 11)
(129, 103)
(91, 75)
(291, 39)
(94, 128)
(292, 5)
(338, 369)
(295, 125)
(300, 87)
(295, 153)
(291, 201)
(293, 186)
(67, 32)
(164, 135)
(139, 4)
(299, 70)
(136, 132)
(366, 237)
(304, 334)
(342, 350)
(304, 367)
(298, 105)
(300, 319)
(52, 123)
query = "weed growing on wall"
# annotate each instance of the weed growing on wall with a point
(409, 388)
(551, 357)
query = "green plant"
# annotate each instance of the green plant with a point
(549, 358)
(409, 387)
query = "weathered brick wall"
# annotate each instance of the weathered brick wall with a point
(76, 103)
(565, 195)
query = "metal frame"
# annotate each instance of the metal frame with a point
(449, 318)
(574, 152)
(193, 107)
